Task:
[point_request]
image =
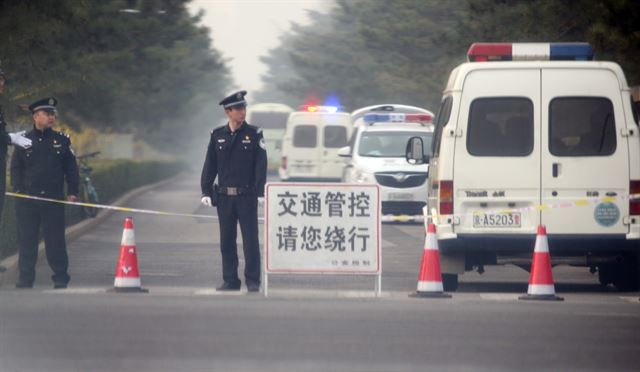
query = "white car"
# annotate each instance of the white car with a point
(376, 156)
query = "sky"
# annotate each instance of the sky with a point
(244, 30)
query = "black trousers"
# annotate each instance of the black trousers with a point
(231, 210)
(32, 214)
(3, 182)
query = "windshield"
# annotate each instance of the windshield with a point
(390, 144)
(269, 119)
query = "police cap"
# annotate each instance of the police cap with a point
(48, 104)
(235, 99)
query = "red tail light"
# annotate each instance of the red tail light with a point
(283, 162)
(634, 204)
(446, 197)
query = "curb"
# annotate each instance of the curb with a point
(73, 232)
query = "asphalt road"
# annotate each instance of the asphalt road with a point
(306, 323)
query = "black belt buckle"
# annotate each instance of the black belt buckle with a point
(232, 191)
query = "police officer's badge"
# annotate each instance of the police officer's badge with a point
(51, 101)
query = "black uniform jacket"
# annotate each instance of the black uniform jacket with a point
(238, 159)
(4, 138)
(41, 169)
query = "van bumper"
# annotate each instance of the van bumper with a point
(559, 245)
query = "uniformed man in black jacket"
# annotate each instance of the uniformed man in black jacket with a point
(237, 156)
(6, 139)
(41, 171)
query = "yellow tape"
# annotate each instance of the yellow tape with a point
(109, 207)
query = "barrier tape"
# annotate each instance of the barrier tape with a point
(384, 218)
(540, 208)
(110, 207)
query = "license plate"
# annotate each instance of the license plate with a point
(508, 219)
(400, 196)
(302, 168)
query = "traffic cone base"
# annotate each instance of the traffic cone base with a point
(551, 297)
(430, 295)
(430, 277)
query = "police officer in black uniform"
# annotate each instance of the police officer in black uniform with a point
(41, 171)
(237, 156)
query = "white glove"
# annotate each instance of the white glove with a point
(261, 201)
(206, 200)
(19, 139)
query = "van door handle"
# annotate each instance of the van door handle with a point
(611, 193)
(555, 168)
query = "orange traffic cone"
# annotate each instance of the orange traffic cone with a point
(127, 278)
(430, 277)
(541, 280)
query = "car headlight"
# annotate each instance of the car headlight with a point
(364, 177)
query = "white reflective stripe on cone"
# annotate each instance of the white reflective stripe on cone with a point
(127, 282)
(430, 287)
(541, 289)
(432, 242)
(128, 237)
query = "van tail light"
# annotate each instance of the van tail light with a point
(283, 162)
(446, 197)
(634, 204)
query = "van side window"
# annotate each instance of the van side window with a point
(581, 126)
(442, 118)
(305, 136)
(500, 126)
(335, 136)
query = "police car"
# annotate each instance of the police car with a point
(376, 156)
(529, 134)
(311, 141)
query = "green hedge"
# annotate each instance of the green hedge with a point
(111, 178)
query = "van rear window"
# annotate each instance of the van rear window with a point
(335, 136)
(305, 136)
(581, 126)
(269, 119)
(500, 126)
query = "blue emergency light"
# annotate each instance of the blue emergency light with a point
(397, 118)
(484, 52)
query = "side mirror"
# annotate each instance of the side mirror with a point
(345, 152)
(414, 153)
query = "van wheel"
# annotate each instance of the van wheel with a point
(606, 274)
(450, 282)
(627, 278)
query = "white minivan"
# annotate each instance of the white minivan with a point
(311, 142)
(531, 134)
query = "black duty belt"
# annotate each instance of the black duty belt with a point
(234, 191)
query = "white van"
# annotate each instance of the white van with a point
(272, 119)
(532, 134)
(311, 142)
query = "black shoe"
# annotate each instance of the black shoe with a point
(253, 287)
(226, 286)
(22, 285)
(59, 285)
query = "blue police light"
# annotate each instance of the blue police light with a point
(571, 52)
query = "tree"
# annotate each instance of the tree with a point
(144, 70)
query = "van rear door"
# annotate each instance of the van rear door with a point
(334, 136)
(584, 154)
(303, 160)
(497, 155)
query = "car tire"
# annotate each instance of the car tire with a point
(627, 277)
(450, 282)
